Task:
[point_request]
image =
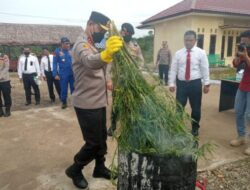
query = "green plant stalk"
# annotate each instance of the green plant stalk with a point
(150, 119)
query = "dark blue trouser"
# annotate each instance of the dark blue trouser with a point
(163, 72)
(66, 80)
(191, 90)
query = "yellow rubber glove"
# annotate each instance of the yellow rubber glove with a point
(113, 44)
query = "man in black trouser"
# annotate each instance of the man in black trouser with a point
(127, 32)
(90, 121)
(189, 66)
(28, 82)
(90, 97)
(192, 91)
(29, 73)
(5, 87)
(163, 61)
(46, 70)
(5, 92)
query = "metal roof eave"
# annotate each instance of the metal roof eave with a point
(194, 12)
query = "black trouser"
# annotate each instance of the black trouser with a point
(50, 81)
(191, 90)
(28, 82)
(163, 72)
(5, 91)
(93, 126)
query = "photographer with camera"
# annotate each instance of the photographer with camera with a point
(242, 99)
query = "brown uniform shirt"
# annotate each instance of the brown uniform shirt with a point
(4, 69)
(89, 72)
(135, 50)
(164, 56)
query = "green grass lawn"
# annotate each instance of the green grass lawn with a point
(222, 73)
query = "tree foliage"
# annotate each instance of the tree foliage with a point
(15, 51)
(147, 44)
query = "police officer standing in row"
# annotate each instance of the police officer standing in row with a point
(62, 69)
(5, 87)
(90, 97)
(46, 70)
(29, 72)
(127, 31)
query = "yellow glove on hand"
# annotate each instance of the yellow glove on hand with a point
(113, 44)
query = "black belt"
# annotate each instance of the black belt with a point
(188, 81)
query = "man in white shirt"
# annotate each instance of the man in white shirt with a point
(46, 70)
(189, 67)
(28, 71)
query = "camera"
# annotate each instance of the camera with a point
(242, 46)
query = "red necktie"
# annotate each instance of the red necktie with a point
(187, 74)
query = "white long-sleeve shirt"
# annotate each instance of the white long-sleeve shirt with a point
(45, 64)
(32, 66)
(199, 67)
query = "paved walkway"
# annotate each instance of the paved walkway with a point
(36, 146)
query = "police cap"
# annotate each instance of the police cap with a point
(129, 28)
(65, 40)
(100, 19)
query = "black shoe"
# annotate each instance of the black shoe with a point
(195, 131)
(64, 105)
(77, 177)
(27, 103)
(37, 103)
(7, 112)
(1, 112)
(103, 172)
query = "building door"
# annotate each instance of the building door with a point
(230, 46)
(222, 47)
(200, 41)
(212, 44)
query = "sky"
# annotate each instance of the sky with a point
(76, 12)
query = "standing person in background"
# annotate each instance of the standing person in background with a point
(189, 66)
(62, 69)
(29, 72)
(127, 31)
(5, 87)
(163, 61)
(90, 97)
(46, 70)
(242, 99)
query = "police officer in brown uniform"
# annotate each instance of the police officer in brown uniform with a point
(127, 31)
(5, 87)
(90, 97)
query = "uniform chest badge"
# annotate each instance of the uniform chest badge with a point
(85, 45)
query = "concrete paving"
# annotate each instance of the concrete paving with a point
(37, 144)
